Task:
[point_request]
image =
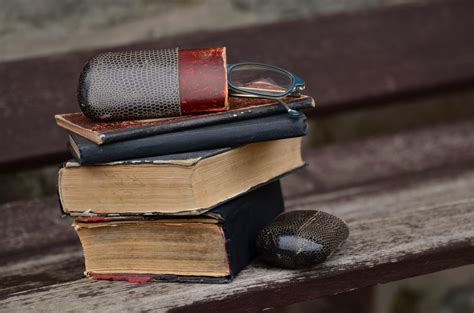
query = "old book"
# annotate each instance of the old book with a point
(212, 247)
(230, 134)
(239, 109)
(189, 183)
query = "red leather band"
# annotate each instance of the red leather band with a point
(203, 80)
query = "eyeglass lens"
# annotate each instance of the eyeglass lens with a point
(260, 79)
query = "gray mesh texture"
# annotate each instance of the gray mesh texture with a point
(301, 238)
(130, 85)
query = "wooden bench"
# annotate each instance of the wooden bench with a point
(407, 217)
(406, 195)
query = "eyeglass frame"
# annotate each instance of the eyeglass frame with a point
(296, 86)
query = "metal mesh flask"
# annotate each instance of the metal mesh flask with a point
(153, 83)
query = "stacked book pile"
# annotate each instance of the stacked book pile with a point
(179, 198)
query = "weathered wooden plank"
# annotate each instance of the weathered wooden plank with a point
(38, 246)
(399, 228)
(52, 265)
(346, 59)
(32, 225)
(356, 301)
(406, 153)
(34, 230)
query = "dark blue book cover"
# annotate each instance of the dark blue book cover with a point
(231, 134)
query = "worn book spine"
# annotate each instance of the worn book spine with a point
(241, 219)
(272, 127)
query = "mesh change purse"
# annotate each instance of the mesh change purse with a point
(153, 83)
(303, 238)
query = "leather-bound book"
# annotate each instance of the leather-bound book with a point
(212, 247)
(186, 184)
(114, 131)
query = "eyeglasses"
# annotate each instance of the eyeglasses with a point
(264, 81)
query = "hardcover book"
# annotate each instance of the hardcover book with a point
(223, 135)
(212, 247)
(239, 109)
(186, 184)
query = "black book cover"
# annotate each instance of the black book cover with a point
(241, 220)
(277, 126)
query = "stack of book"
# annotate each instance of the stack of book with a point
(179, 198)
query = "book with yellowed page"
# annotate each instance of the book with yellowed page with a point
(211, 248)
(181, 184)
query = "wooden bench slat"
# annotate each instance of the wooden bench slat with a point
(395, 226)
(347, 164)
(53, 265)
(346, 59)
(38, 246)
(33, 225)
